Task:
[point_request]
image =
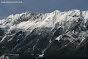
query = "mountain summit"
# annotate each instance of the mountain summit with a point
(46, 35)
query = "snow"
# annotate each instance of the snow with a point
(14, 22)
(3, 38)
(35, 44)
(10, 39)
(49, 20)
(85, 15)
(41, 56)
(58, 38)
(27, 22)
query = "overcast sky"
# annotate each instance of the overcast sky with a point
(41, 6)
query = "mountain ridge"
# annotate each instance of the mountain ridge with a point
(45, 34)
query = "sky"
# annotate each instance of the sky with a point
(40, 6)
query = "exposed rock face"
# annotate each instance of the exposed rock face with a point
(48, 35)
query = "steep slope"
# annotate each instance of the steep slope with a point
(45, 34)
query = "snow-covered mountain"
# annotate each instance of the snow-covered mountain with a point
(45, 34)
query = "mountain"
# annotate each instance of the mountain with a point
(45, 35)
